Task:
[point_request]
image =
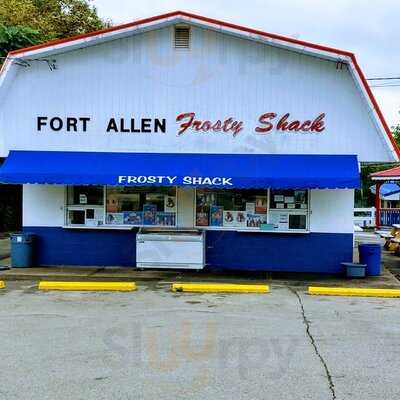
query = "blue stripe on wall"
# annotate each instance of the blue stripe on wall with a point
(313, 252)
(58, 246)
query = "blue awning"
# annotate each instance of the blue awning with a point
(189, 170)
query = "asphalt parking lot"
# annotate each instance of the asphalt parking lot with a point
(154, 344)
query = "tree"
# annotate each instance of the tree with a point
(25, 23)
(16, 37)
(363, 196)
(52, 19)
(396, 134)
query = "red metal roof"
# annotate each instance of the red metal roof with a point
(388, 173)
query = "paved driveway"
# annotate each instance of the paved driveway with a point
(153, 344)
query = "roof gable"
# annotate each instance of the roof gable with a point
(157, 22)
(182, 16)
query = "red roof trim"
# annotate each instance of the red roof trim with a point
(236, 27)
(188, 15)
(95, 33)
(266, 34)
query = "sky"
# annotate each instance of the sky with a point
(369, 28)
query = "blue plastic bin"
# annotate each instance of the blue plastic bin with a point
(354, 270)
(370, 254)
(22, 250)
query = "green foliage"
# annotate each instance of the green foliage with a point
(364, 197)
(54, 19)
(28, 22)
(16, 37)
(25, 23)
(396, 134)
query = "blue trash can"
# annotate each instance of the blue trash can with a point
(370, 254)
(22, 250)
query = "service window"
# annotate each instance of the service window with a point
(141, 206)
(289, 210)
(85, 195)
(85, 205)
(246, 209)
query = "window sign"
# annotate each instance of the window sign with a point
(140, 206)
(82, 199)
(289, 209)
(169, 203)
(248, 209)
(231, 208)
(289, 199)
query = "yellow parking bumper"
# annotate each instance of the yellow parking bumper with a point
(2, 285)
(88, 286)
(219, 288)
(361, 292)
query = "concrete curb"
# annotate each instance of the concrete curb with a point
(88, 286)
(25, 274)
(218, 288)
(340, 291)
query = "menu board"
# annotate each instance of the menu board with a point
(280, 220)
(289, 199)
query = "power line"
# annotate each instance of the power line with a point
(384, 79)
(383, 82)
(388, 85)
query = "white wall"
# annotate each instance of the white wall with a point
(332, 211)
(220, 76)
(3, 151)
(42, 205)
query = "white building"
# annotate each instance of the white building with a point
(180, 122)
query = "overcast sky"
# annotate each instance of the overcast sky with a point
(370, 29)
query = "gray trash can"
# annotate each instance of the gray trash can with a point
(22, 250)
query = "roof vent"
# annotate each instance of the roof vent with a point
(182, 37)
